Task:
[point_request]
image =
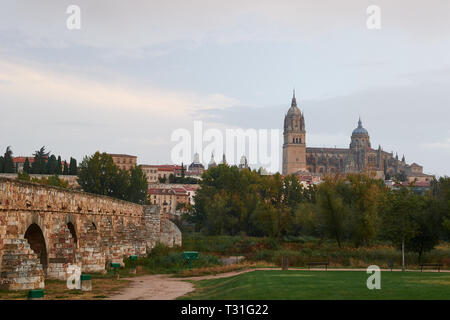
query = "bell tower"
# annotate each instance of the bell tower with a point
(294, 144)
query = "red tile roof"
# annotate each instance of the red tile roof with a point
(416, 184)
(23, 159)
(160, 191)
(163, 167)
(179, 191)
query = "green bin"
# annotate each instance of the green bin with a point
(85, 277)
(86, 282)
(36, 294)
(115, 266)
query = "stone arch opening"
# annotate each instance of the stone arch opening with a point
(71, 228)
(36, 239)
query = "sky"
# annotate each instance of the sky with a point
(138, 70)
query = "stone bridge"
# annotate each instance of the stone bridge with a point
(45, 229)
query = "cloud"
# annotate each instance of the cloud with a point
(440, 145)
(76, 115)
(66, 88)
(119, 24)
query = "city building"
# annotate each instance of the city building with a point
(20, 161)
(243, 164)
(212, 163)
(124, 161)
(169, 197)
(196, 168)
(359, 157)
(155, 173)
(165, 198)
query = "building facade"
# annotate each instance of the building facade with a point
(124, 161)
(294, 140)
(359, 157)
(156, 172)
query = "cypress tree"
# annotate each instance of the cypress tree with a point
(26, 166)
(73, 167)
(2, 164)
(66, 169)
(51, 165)
(8, 166)
(59, 168)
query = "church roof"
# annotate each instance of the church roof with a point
(294, 110)
(360, 129)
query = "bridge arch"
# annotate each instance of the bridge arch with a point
(71, 224)
(36, 239)
(73, 233)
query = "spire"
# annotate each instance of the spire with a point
(359, 122)
(294, 101)
(196, 158)
(212, 163)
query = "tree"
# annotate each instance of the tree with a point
(428, 221)
(8, 163)
(98, 173)
(120, 185)
(138, 187)
(182, 170)
(332, 212)
(398, 224)
(162, 179)
(73, 170)
(26, 166)
(2, 164)
(40, 161)
(59, 168)
(51, 165)
(362, 195)
(65, 169)
(23, 176)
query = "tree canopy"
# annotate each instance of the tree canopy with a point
(353, 209)
(98, 174)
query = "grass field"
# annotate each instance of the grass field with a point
(348, 285)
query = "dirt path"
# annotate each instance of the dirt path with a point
(163, 287)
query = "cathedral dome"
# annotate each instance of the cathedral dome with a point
(294, 120)
(360, 129)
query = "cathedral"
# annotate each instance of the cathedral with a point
(359, 157)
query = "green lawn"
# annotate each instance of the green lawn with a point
(297, 285)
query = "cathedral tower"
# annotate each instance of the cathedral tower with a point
(294, 145)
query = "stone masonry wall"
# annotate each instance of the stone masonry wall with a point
(55, 228)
